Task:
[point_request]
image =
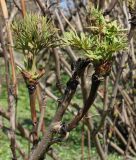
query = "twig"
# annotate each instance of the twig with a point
(70, 52)
(17, 5)
(12, 92)
(57, 62)
(89, 102)
(114, 93)
(21, 151)
(117, 148)
(82, 142)
(41, 120)
(41, 100)
(42, 7)
(110, 7)
(105, 103)
(70, 25)
(23, 7)
(89, 144)
(56, 125)
(101, 4)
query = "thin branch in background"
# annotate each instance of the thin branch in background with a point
(82, 141)
(41, 120)
(99, 147)
(131, 32)
(21, 151)
(78, 21)
(48, 92)
(57, 68)
(65, 63)
(42, 7)
(10, 19)
(95, 139)
(95, 3)
(5, 55)
(101, 4)
(89, 144)
(17, 5)
(41, 101)
(70, 51)
(12, 14)
(10, 45)
(23, 6)
(70, 25)
(132, 11)
(110, 7)
(12, 92)
(105, 103)
(125, 95)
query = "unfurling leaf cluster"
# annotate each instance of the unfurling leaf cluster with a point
(101, 41)
(33, 33)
